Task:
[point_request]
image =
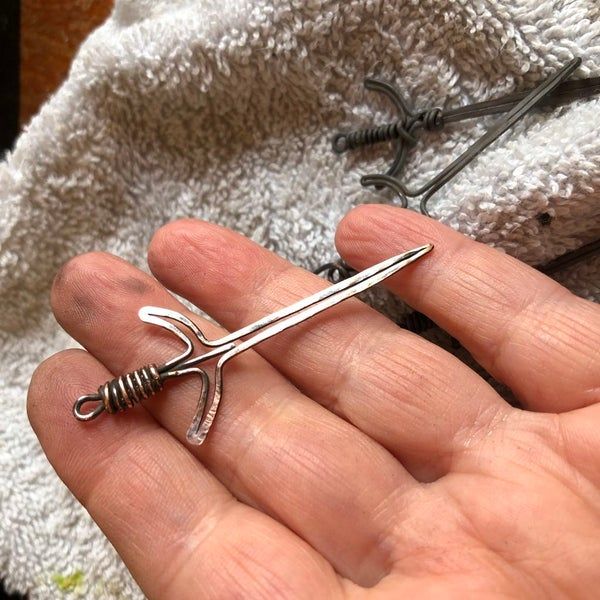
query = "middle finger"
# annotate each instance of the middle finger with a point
(414, 398)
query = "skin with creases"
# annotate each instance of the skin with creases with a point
(349, 458)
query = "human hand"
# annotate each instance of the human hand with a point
(349, 457)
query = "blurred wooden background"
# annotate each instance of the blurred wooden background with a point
(51, 33)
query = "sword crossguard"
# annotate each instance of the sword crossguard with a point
(127, 390)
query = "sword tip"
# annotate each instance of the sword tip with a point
(415, 253)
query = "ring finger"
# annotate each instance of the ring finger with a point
(154, 500)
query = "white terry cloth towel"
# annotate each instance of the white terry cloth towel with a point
(225, 111)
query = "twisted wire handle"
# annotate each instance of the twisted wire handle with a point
(121, 393)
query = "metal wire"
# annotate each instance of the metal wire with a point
(569, 258)
(336, 271)
(517, 111)
(130, 389)
(554, 91)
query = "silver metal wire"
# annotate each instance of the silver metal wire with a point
(128, 390)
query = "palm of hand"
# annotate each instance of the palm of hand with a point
(349, 457)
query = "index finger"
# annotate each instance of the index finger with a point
(523, 327)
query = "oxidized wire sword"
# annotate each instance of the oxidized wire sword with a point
(127, 390)
(553, 91)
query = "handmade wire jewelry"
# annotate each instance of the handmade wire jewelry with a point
(553, 91)
(130, 389)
